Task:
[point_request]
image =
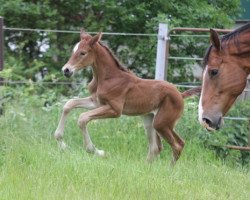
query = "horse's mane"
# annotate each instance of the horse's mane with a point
(119, 65)
(234, 34)
(227, 38)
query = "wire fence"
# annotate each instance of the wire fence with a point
(12, 82)
(73, 31)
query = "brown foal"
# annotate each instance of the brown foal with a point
(116, 91)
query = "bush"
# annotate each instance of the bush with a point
(234, 132)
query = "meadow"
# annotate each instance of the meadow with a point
(33, 167)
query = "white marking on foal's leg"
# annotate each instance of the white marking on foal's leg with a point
(59, 132)
(62, 144)
(69, 105)
(152, 137)
(90, 147)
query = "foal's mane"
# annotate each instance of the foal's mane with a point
(227, 38)
(119, 65)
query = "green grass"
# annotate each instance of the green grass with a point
(33, 167)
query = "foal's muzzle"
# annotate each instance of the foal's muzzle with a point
(67, 72)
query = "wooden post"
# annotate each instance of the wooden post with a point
(1, 47)
(1, 42)
(162, 52)
(247, 93)
(1, 58)
(249, 132)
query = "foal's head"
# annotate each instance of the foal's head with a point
(82, 55)
(223, 80)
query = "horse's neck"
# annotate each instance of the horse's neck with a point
(104, 66)
(242, 51)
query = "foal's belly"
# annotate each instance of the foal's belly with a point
(140, 105)
(144, 97)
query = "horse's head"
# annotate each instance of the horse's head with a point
(82, 55)
(223, 80)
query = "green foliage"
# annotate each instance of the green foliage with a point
(233, 133)
(137, 53)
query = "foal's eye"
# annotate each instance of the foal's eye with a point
(213, 72)
(83, 53)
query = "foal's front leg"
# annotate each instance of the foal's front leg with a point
(87, 103)
(105, 111)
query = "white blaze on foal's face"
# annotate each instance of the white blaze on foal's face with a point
(82, 55)
(76, 47)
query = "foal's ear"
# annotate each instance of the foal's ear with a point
(83, 34)
(214, 39)
(95, 39)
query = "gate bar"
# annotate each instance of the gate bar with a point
(201, 30)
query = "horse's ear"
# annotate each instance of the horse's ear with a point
(83, 34)
(215, 39)
(95, 39)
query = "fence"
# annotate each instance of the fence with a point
(164, 37)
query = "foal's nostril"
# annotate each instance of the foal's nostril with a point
(66, 71)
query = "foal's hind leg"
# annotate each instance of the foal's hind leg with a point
(102, 112)
(69, 105)
(164, 123)
(155, 145)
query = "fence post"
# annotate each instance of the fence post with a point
(247, 93)
(1, 43)
(162, 52)
(249, 132)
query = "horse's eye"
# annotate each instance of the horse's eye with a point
(82, 53)
(213, 72)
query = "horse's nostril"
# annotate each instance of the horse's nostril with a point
(207, 121)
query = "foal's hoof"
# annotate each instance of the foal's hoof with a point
(151, 156)
(100, 153)
(62, 145)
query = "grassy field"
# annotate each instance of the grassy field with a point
(33, 167)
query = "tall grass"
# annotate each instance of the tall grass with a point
(33, 167)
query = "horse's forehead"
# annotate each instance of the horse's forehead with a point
(214, 59)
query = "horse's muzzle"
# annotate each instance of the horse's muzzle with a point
(67, 72)
(212, 123)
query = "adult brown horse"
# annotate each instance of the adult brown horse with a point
(227, 65)
(115, 91)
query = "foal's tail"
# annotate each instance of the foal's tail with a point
(191, 92)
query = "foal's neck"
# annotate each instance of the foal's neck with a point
(104, 67)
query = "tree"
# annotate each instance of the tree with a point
(133, 16)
